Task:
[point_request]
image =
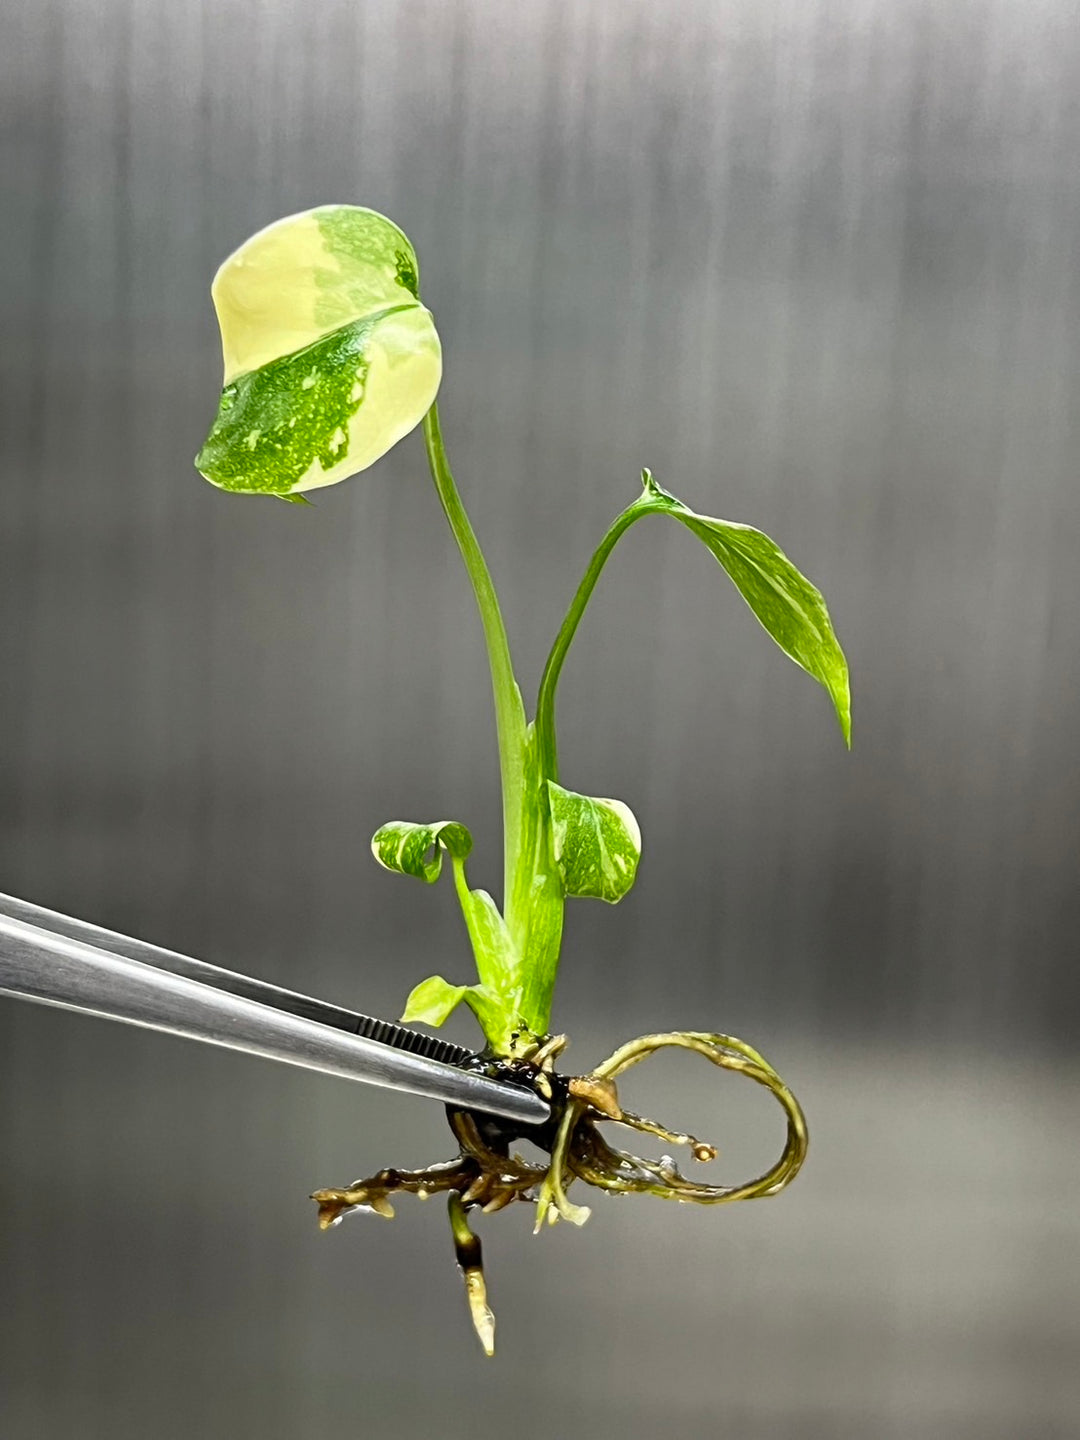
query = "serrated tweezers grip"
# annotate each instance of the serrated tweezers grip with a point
(412, 1041)
(59, 961)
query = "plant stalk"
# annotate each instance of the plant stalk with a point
(545, 702)
(538, 899)
(509, 711)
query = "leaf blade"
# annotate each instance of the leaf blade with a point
(788, 606)
(435, 999)
(305, 275)
(596, 842)
(330, 359)
(432, 1002)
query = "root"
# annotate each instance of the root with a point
(487, 1176)
(591, 1159)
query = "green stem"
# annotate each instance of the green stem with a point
(509, 711)
(545, 703)
(537, 899)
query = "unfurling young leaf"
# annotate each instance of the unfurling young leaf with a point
(412, 849)
(330, 358)
(790, 608)
(597, 844)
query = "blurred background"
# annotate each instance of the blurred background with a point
(817, 265)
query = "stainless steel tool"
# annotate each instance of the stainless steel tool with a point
(57, 960)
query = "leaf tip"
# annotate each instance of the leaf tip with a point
(841, 698)
(651, 489)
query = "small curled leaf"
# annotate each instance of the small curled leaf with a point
(597, 844)
(417, 850)
(330, 358)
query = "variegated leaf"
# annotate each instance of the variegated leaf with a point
(597, 844)
(417, 850)
(330, 358)
(790, 608)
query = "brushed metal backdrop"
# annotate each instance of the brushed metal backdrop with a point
(817, 265)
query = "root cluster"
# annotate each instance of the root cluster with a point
(487, 1175)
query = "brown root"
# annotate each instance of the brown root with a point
(591, 1159)
(487, 1176)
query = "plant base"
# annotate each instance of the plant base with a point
(488, 1176)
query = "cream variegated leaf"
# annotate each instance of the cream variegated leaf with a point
(417, 850)
(330, 358)
(597, 844)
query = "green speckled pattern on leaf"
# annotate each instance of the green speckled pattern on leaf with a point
(372, 257)
(273, 424)
(597, 844)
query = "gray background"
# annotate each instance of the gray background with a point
(815, 263)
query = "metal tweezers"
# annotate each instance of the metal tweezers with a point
(56, 960)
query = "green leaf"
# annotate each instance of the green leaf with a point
(790, 608)
(432, 1001)
(597, 844)
(412, 849)
(330, 359)
(435, 999)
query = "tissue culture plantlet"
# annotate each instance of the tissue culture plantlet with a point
(330, 360)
